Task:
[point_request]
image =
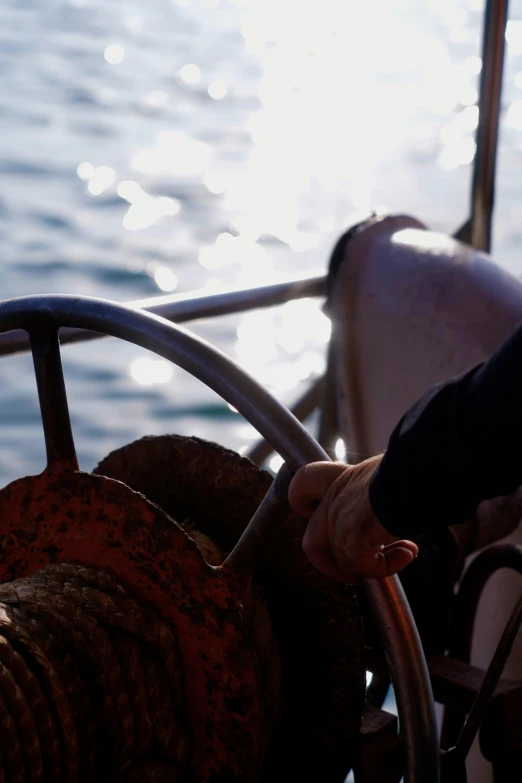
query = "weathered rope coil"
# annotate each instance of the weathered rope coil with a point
(256, 682)
(90, 682)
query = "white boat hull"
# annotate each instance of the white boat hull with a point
(412, 308)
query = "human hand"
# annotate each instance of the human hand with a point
(344, 539)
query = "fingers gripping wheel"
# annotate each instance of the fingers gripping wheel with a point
(226, 745)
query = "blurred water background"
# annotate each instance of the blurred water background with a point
(175, 145)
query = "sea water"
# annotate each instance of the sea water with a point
(174, 145)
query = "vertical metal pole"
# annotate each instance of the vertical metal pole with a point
(483, 187)
(59, 443)
(328, 426)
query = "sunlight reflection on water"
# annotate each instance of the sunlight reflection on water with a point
(186, 144)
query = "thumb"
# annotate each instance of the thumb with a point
(394, 558)
(311, 483)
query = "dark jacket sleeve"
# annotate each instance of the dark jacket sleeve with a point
(460, 444)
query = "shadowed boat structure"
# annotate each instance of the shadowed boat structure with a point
(158, 618)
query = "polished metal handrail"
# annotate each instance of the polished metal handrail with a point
(477, 229)
(191, 307)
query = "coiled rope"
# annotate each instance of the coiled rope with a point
(91, 683)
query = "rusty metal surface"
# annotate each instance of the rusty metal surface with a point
(98, 521)
(154, 773)
(296, 447)
(319, 630)
(317, 622)
(198, 483)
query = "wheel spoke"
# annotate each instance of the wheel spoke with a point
(257, 539)
(59, 443)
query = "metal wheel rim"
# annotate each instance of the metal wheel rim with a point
(277, 425)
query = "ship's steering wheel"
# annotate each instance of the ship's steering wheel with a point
(41, 317)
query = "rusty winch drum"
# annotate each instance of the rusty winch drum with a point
(149, 630)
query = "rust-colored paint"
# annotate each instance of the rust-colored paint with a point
(99, 521)
(317, 622)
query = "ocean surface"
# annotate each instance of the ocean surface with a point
(177, 145)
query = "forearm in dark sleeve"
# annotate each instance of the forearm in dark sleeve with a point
(461, 443)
